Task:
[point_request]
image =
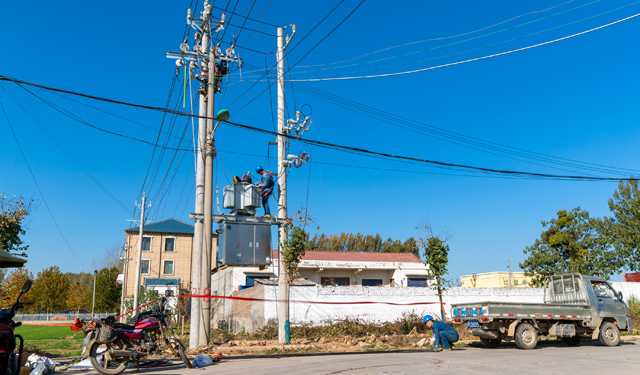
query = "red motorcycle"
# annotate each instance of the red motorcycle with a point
(9, 361)
(117, 344)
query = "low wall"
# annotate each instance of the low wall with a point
(307, 313)
(252, 316)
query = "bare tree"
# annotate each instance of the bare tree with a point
(108, 259)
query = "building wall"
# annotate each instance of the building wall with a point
(181, 258)
(227, 280)
(495, 280)
(248, 316)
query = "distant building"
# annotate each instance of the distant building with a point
(495, 280)
(633, 277)
(167, 246)
(341, 268)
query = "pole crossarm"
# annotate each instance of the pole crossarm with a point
(241, 219)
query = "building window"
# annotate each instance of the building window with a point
(167, 268)
(168, 292)
(251, 280)
(371, 282)
(146, 243)
(169, 244)
(417, 282)
(144, 267)
(334, 281)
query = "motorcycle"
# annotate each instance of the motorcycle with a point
(9, 361)
(117, 344)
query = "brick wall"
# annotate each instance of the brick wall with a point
(248, 316)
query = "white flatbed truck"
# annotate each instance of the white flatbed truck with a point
(575, 307)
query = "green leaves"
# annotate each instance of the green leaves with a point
(436, 255)
(572, 242)
(623, 228)
(12, 215)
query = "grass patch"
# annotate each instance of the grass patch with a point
(52, 341)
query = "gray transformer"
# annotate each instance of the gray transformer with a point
(244, 244)
(242, 197)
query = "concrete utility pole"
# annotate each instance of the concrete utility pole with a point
(283, 286)
(125, 260)
(93, 306)
(509, 262)
(136, 287)
(205, 270)
(198, 241)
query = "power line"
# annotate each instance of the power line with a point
(451, 54)
(441, 38)
(68, 154)
(470, 60)
(458, 42)
(250, 19)
(38, 187)
(335, 146)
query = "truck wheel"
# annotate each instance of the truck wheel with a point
(609, 334)
(526, 336)
(571, 341)
(490, 343)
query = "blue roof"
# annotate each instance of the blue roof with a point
(165, 226)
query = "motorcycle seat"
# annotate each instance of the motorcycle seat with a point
(124, 326)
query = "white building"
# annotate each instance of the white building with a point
(337, 268)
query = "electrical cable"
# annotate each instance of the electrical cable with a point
(250, 19)
(38, 187)
(441, 38)
(330, 145)
(453, 137)
(471, 60)
(458, 42)
(110, 194)
(292, 48)
(461, 52)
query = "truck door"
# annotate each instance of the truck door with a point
(608, 304)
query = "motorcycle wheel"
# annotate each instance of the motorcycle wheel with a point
(176, 346)
(114, 367)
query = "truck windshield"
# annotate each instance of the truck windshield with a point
(603, 290)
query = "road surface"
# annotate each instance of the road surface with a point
(590, 358)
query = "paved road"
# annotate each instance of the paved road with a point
(584, 359)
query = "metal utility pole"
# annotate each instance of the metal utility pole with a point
(93, 306)
(509, 262)
(136, 287)
(205, 270)
(196, 257)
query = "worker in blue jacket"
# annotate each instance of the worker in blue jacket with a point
(266, 186)
(443, 333)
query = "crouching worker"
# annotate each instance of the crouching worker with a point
(444, 334)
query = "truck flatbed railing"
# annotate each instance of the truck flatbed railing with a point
(565, 289)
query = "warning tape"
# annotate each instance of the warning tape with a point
(207, 296)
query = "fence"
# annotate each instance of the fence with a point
(53, 317)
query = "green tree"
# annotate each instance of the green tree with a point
(108, 291)
(622, 229)
(13, 212)
(295, 245)
(50, 290)
(436, 255)
(570, 243)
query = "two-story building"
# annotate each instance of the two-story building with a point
(167, 246)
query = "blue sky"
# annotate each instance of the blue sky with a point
(574, 99)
